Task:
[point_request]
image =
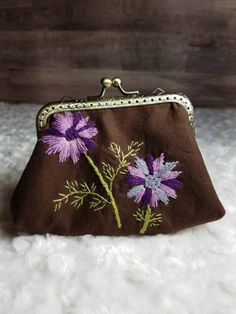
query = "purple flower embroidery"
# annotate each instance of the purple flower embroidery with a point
(70, 135)
(153, 181)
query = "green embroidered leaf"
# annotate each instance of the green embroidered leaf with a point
(139, 215)
(78, 201)
(123, 171)
(57, 206)
(148, 218)
(122, 158)
(78, 195)
(116, 150)
(134, 147)
(84, 186)
(71, 186)
(108, 171)
(85, 191)
(155, 220)
(97, 204)
(74, 184)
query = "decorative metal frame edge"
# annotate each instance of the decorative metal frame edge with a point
(61, 106)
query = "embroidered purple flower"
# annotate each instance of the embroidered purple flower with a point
(70, 135)
(153, 181)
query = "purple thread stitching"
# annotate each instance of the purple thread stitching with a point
(159, 184)
(70, 135)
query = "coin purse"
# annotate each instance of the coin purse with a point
(118, 166)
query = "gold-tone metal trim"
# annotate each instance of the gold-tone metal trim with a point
(115, 82)
(114, 103)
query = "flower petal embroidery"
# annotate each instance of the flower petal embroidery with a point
(157, 163)
(149, 162)
(168, 166)
(161, 193)
(62, 121)
(133, 180)
(76, 148)
(171, 175)
(78, 120)
(139, 195)
(157, 179)
(147, 196)
(55, 144)
(169, 192)
(134, 191)
(136, 172)
(154, 199)
(172, 183)
(70, 135)
(84, 124)
(88, 142)
(88, 133)
(141, 165)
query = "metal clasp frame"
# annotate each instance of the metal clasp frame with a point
(115, 82)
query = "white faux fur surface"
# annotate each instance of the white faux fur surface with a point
(193, 271)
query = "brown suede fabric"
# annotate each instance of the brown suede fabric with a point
(163, 129)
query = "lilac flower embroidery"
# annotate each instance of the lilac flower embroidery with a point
(70, 135)
(153, 181)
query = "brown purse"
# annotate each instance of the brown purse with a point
(115, 166)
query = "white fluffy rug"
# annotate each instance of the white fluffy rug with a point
(193, 271)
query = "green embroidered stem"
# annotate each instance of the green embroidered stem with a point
(147, 219)
(109, 193)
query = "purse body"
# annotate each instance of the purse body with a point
(96, 194)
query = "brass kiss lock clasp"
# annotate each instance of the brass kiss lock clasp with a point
(115, 82)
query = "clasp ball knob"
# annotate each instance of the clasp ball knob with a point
(106, 82)
(116, 81)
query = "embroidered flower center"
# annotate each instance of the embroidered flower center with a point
(152, 182)
(71, 134)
